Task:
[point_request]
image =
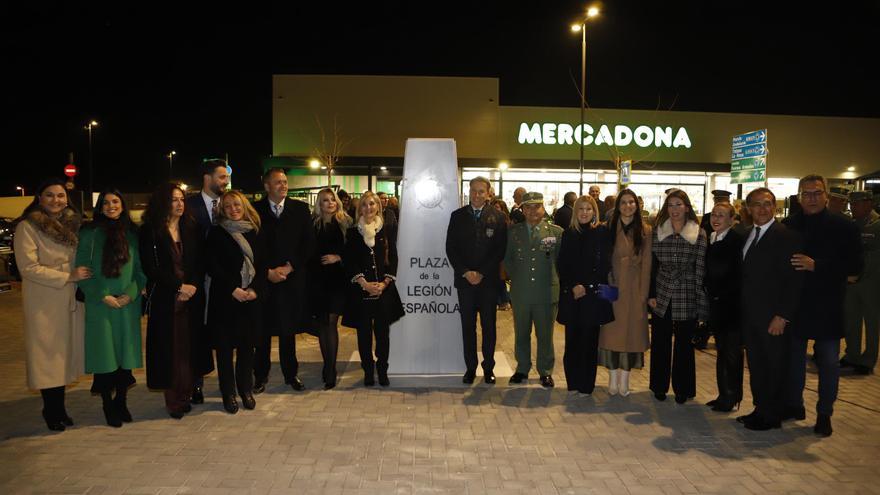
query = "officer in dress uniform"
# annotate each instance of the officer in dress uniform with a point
(530, 262)
(862, 296)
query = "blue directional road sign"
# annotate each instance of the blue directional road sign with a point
(749, 151)
(754, 137)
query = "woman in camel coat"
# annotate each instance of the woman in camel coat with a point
(622, 343)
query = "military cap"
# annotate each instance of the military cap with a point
(838, 192)
(861, 196)
(721, 194)
(533, 198)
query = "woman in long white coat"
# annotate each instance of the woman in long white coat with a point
(45, 247)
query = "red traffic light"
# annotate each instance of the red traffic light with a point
(70, 170)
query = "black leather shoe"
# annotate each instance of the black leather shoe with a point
(248, 401)
(725, 407)
(469, 377)
(547, 381)
(712, 403)
(297, 384)
(111, 416)
(746, 417)
(53, 423)
(758, 423)
(176, 414)
(259, 386)
(846, 364)
(823, 425)
(197, 396)
(518, 377)
(329, 385)
(680, 399)
(660, 396)
(187, 408)
(862, 370)
(369, 380)
(66, 420)
(230, 404)
(383, 379)
(793, 412)
(489, 378)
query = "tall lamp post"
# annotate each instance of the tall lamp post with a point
(170, 162)
(91, 125)
(582, 28)
(19, 188)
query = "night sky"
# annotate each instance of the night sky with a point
(199, 82)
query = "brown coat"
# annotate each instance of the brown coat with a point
(54, 328)
(631, 274)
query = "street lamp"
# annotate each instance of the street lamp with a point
(582, 28)
(89, 126)
(170, 162)
(19, 188)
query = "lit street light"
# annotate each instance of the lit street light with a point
(89, 126)
(170, 162)
(582, 28)
(19, 188)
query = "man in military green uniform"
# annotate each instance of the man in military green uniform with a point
(862, 296)
(530, 261)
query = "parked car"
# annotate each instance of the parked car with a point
(7, 232)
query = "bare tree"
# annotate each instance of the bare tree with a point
(329, 151)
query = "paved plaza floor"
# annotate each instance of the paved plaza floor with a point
(503, 439)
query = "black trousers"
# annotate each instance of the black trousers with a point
(471, 301)
(729, 366)
(579, 359)
(675, 358)
(369, 328)
(242, 379)
(286, 354)
(768, 357)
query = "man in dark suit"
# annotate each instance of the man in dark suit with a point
(475, 243)
(769, 300)
(832, 254)
(290, 240)
(562, 217)
(203, 207)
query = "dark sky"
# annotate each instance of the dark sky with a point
(199, 82)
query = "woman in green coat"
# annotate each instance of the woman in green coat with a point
(109, 247)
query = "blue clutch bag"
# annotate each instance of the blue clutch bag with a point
(607, 292)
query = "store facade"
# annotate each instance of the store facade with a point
(365, 121)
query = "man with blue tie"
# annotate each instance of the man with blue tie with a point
(475, 243)
(769, 301)
(203, 207)
(290, 240)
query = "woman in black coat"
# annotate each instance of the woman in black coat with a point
(327, 278)
(171, 251)
(722, 282)
(372, 302)
(237, 266)
(584, 263)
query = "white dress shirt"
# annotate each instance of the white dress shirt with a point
(764, 229)
(208, 204)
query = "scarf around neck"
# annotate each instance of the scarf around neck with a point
(369, 230)
(62, 229)
(237, 229)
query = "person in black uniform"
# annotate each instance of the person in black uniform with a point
(327, 281)
(476, 239)
(584, 263)
(372, 300)
(769, 299)
(290, 241)
(236, 264)
(722, 282)
(204, 207)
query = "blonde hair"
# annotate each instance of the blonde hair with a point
(574, 220)
(341, 216)
(249, 214)
(364, 197)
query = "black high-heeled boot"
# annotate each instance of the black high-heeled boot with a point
(110, 413)
(53, 407)
(120, 402)
(383, 375)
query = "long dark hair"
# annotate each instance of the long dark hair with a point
(35, 204)
(159, 209)
(663, 215)
(115, 254)
(638, 225)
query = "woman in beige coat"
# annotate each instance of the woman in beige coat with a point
(45, 247)
(623, 342)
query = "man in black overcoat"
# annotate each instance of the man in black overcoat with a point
(203, 207)
(832, 253)
(562, 216)
(290, 240)
(769, 300)
(476, 240)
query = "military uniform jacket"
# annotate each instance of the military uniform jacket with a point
(531, 263)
